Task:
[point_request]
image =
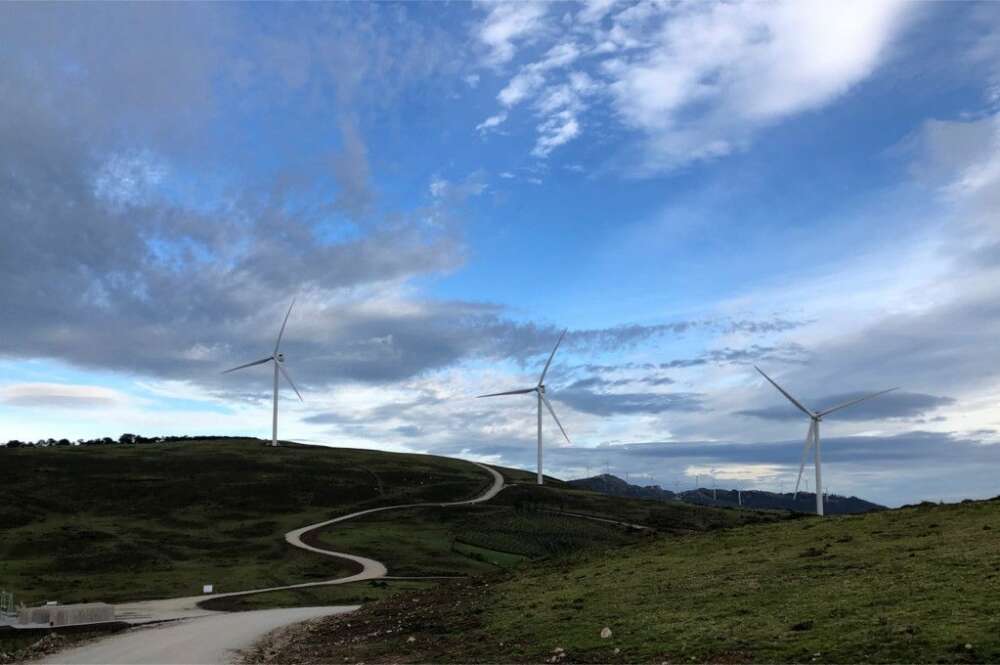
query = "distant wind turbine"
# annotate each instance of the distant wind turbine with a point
(279, 366)
(539, 390)
(812, 436)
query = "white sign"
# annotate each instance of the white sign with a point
(207, 588)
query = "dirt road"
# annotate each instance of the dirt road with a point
(207, 640)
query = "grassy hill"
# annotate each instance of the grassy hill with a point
(918, 584)
(524, 524)
(129, 522)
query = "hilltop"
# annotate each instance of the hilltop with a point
(916, 584)
(804, 502)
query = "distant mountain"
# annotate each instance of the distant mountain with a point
(804, 503)
(615, 486)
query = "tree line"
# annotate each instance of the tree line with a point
(124, 439)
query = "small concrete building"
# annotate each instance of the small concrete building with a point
(65, 615)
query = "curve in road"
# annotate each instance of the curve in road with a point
(370, 568)
(185, 607)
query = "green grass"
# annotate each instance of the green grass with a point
(498, 558)
(665, 516)
(525, 477)
(353, 593)
(524, 522)
(466, 540)
(910, 585)
(119, 523)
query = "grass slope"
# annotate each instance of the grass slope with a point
(118, 523)
(918, 584)
(353, 593)
(525, 522)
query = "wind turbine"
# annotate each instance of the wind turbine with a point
(279, 366)
(812, 436)
(539, 390)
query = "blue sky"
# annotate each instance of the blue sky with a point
(689, 189)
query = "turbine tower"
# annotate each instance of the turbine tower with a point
(539, 390)
(812, 435)
(279, 366)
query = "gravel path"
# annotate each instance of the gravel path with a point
(209, 640)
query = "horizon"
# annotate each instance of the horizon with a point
(651, 483)
(690, 191)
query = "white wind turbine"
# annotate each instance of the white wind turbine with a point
(812, 436)
(279, 366)
(540, 391)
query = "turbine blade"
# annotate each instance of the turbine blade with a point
(855, 401)
(282, 331)
(256, 362)
(509, 392)
(810, 439)
(284, 372)
(551, 356)
(782, 391)
(556, 418)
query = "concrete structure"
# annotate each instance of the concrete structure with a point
(65, 615)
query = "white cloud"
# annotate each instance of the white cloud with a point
(507, 23)
(558, 106)
(521, 86)
(718, 71)
(554, 132)
(558, 56)
(129, 178)
(492, 121)
(594, 10)
(754, 473)
(60, 396)
(697, 80)
(473, 185)
(438, 186)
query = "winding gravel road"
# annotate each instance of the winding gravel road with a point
(211, 638)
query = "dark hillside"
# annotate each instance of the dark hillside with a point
(128, 522)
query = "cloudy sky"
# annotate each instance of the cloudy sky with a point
(690, 189)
